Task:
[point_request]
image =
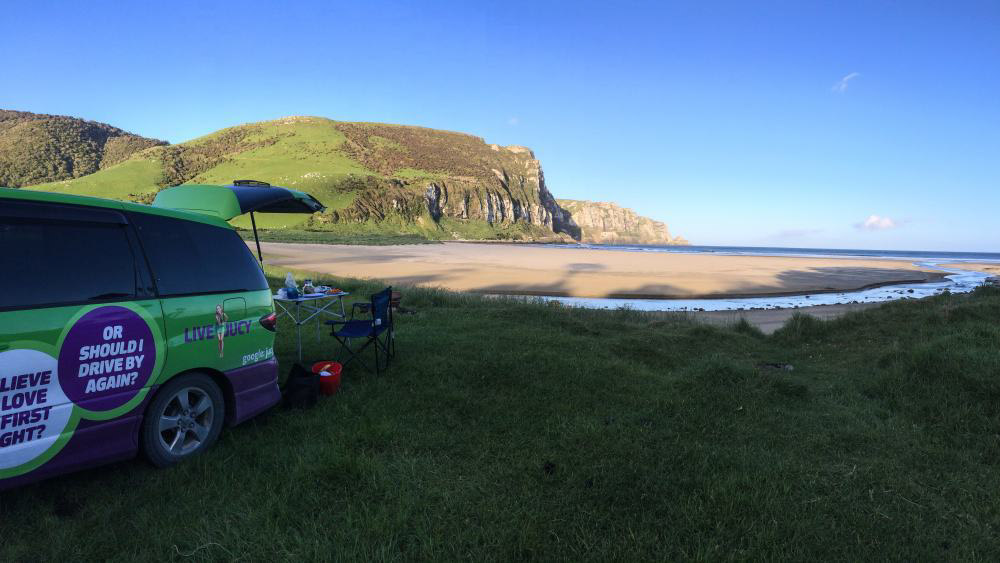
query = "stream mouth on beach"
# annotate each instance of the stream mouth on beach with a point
(954, 281)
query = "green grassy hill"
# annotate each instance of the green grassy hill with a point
(372, 177)
(37, 148)
(375, 179)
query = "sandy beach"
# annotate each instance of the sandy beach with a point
(538, 270)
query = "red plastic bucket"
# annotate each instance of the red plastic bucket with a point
(329, 376)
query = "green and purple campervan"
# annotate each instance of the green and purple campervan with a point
(128, 328)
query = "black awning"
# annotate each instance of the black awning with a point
(274, 200)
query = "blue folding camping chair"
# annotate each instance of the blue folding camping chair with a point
(377, 330)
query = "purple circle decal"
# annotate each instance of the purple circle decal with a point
(106, 358)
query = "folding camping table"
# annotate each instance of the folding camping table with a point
(308, 307)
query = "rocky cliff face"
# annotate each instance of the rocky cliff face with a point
(601, 222)
(515, 195)
(457, 181)
(453, 181)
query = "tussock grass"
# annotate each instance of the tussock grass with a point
(511, 429)
(343, 236)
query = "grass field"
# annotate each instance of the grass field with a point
(510, 430)
(307, 157)
(339, 236)
(393, 232)
(135, 176)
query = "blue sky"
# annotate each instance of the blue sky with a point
(781, 124)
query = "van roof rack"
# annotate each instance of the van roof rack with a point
(255, 183)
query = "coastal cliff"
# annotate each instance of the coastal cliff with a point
(605, 222)
(450, 181)
(374, 178)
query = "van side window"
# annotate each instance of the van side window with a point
(189, 257)
(50, 262)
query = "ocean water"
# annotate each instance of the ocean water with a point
(913, 255)
(956, 281)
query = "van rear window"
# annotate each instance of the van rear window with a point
(188, 257)
(47, 262)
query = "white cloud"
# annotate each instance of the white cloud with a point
(513, 121)
(841, 86)
(876, 223)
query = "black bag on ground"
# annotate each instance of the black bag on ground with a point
(302, 388)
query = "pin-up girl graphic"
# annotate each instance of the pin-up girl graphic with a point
(220, 327)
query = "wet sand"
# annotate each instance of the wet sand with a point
(570, 272)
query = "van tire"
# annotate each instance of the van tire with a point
(183, 420)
